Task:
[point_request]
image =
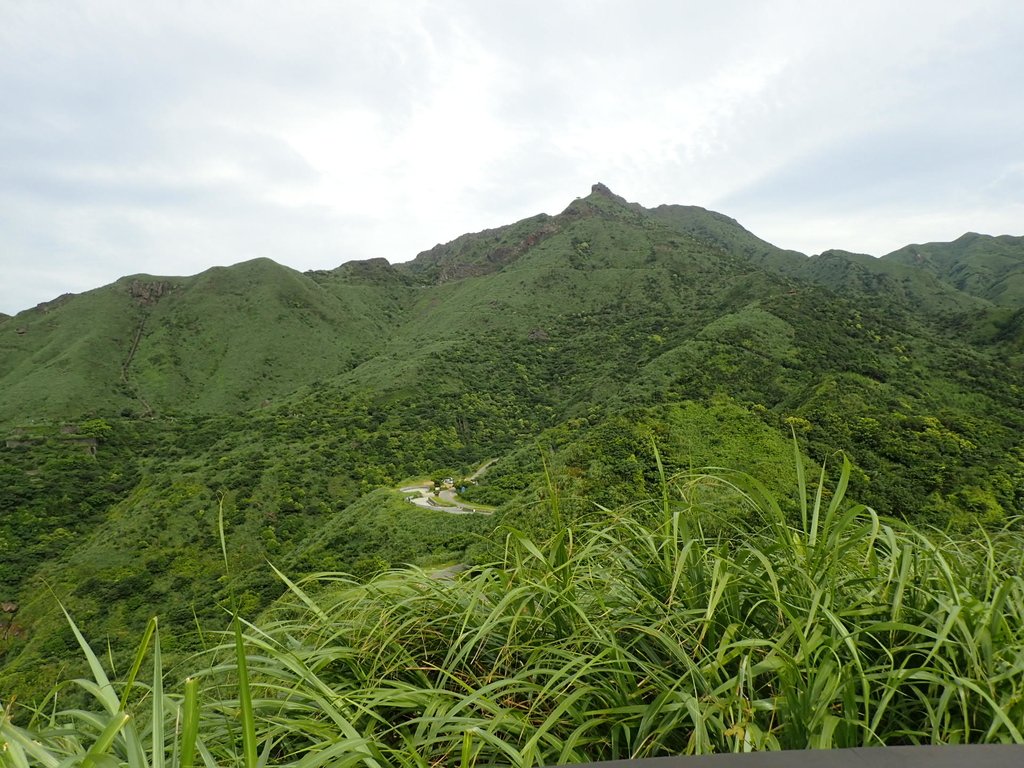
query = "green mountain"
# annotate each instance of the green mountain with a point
(979, 265)
(292, 408)
(227, 339)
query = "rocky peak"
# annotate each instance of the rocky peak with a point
(601, 202)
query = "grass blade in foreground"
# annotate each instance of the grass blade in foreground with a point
(190, 723)
(641, 636)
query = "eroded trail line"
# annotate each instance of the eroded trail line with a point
(126, 365)
(131, 352)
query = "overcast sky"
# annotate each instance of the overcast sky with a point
(170, 137)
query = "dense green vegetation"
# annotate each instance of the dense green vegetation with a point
(640, 631)
(563, 347)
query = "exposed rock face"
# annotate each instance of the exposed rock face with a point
(538, 334)
(503, 255)
(595, 204)
(148, 292)
(451, 265)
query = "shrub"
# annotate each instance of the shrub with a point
(637, 634)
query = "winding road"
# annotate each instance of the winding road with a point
(445, 502)
(420, 495)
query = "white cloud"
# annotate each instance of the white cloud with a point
(168, 138)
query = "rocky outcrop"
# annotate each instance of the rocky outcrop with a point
(604, 203)
(476, 254)
(148, 292)
(538, 334)
(500, 256)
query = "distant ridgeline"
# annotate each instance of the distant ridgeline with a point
(294, 405)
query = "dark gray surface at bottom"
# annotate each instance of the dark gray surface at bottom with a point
(959, 756)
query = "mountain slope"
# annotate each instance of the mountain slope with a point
(988, 267)
(295, 404)
(229, 338)
(967, 276)
(889, 284)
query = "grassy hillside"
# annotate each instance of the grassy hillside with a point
(225, 340)
(565, 347)
(68, 358)
(990, 268)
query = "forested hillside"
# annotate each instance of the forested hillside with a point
(295, 407)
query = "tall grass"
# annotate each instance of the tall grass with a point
(646, 631)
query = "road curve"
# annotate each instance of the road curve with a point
(421, 497)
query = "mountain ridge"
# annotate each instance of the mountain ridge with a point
(295, 405)
(127, 336)
(714, 227)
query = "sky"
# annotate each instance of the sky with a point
(167, 138)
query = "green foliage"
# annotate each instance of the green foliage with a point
(54, 490)
(639, 636)
(147, 344)
(383, 530)
(584, 339)
(979, 265)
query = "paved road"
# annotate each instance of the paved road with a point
(420, 496)
(482, 468)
